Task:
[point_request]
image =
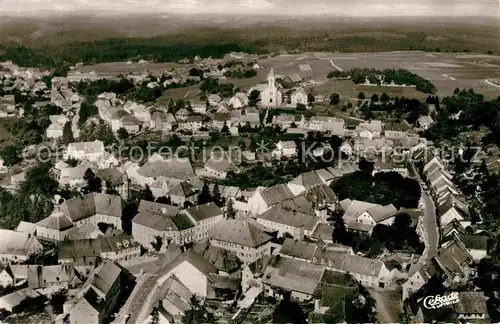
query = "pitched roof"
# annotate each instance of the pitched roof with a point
(16, 243)
(113, 175)
(220, 258)
(381, 213)
(276, 194)
(57, 220)
(90, 204)
(193, 258)
(293, 275)
(323, 232)
(308, 179)
(182, 189)
(105, 277)
(278, 214)
(155, 215)
(240, 232)
(202, 212)
(172, 168)
(298, 249)
(471, 302)
(220, 165)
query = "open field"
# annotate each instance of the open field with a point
(116, 68)
(446, 71)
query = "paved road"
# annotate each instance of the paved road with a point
(382, 301)
(429, 222)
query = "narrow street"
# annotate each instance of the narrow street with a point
(429, 222)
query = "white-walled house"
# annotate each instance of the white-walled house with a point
(192, 270)
(56, 127)
(264, 198)
(284, 220)
(299, 96)
(219, 168)
(17, 247)
(90, 151)
(286, 149)
(247, 241)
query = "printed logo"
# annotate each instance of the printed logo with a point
(434, 302)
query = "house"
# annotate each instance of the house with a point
(176, 302)
(155, 220)
(105, 289)
(284, 220)
(323, 232)
(308, 180)
(471, 306)
(476, 245)
(139, 111)
(181, 193)
(114, 179)
(264, 198)
(299, 279)
(90, 151)
(193, 123)
(225, 261)
(190, 269)
(63, 97)
(214, 100)
(298, 250)
(363, 216)
(369, 129)
(199, 107)
(450, 210)
(26, 227)
(369, 272)
(286, 149)
(220, 119)
(17, 246)
(284, 120)
(55, 227)
(271, 95)
(55, 129)
(291, 79)
(299, 96)
(73, 177)
(6, 276)
(205, 217)
(239, 100)
(16, 301)
(7, 106)
(242, 238)
(49, 279)
(425, 122)
(92, 208)
(453, 261)
(219, 167)
(157, 166)
(335, 126)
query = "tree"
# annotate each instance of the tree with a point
(157, 243)
(93, 183)
(310, 98)
(366, 166)
(225, 129)
(216, 196)
(86, 110)
(289, 312)
(155, 315)
(384, 97)
(230, 212)
(204, 195)
(361, 96)
(122, 133)
(164, 200)
(67, 133)
(340, 234)
(374, 98)
(197, 313)
(148, 194)
(300, 106)
(10, 155)
(254, 98)
(334, 99)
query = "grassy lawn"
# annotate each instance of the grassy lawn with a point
(191, 93)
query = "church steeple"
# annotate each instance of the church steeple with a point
(270, 77)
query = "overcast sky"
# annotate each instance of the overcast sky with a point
(288, 7)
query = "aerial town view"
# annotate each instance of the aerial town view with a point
(260, 161)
